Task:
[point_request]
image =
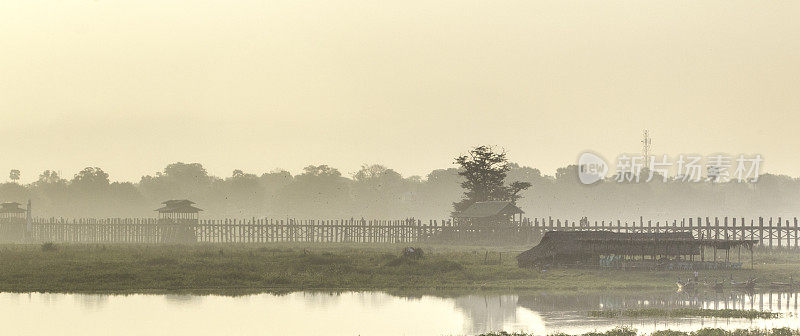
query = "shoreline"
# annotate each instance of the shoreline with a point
(241, 269)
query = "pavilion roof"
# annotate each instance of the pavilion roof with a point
(489, 209)
(178, 206)
(11, 207)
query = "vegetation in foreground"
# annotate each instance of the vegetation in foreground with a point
(685, 312)
(624, 331)
(222, 268)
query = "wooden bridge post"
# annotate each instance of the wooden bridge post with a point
(742, 228)
(700, 228)
(770, 231)
(709, 229)
(725, 232)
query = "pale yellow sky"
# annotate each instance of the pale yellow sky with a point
(131, 86)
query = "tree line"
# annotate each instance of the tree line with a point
(376, 191)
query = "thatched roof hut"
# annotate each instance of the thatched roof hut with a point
(489, 213)
(557, 247)
(489, 209)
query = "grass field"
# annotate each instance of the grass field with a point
(219, 268)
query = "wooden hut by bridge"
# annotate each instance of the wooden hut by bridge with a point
(606, 248)
(13, 222)
(178, 220)
(12, 210)
(179, 210)
(489, 214)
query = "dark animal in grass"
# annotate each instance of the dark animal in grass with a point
(413, 253)
(409, 257)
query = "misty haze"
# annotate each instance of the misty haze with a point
(513, 168)
(379, 192)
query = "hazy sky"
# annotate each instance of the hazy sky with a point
(131, 86)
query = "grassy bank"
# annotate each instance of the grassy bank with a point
(288, 267)
(701, 332)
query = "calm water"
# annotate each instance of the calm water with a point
(364, 313)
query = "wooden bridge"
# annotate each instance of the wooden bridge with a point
(778, 232)
(774, 233)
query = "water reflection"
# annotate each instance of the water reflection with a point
(87, 301)
(568, 312)
(183, 299)
(773, 301)
(369, 313)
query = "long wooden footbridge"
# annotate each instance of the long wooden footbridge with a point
(771, 232)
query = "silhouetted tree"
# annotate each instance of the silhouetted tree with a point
(13, 192)
(124, 199)
(484, 172)
(91, 179)
(49, 176)
(437, 192)
(272, 183)
(320, 191)
(89, 191)
(52, 196)
(178, 181)
(238, 195)
(378, 192)
(14, 175)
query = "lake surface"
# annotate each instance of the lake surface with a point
(367, 313)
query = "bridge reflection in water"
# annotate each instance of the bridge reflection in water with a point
(568, 312)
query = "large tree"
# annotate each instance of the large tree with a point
(238, 195)
(484, 171)
(320, 191)
(378, 192)
(179, 180)
(14, 175)
(91, 179)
